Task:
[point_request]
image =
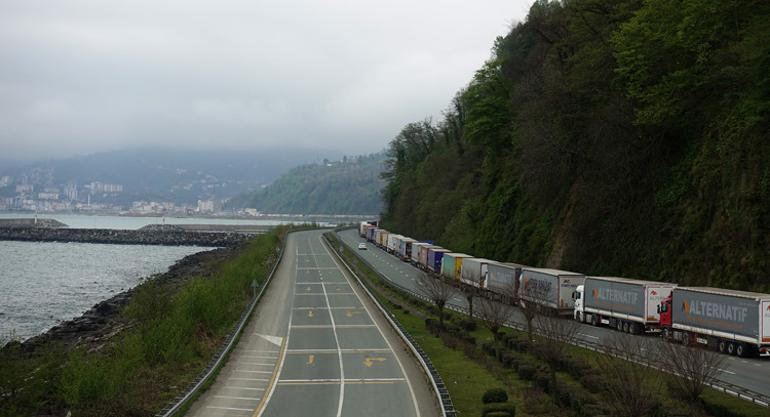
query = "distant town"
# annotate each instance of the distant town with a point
(94, 198)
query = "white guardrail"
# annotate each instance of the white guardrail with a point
(726, 387)
(179, 402)
(437, 383)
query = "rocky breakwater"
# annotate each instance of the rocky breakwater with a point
(123, 237)
(41, 223)
(104, 320)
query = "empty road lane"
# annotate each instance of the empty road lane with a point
(317, 346)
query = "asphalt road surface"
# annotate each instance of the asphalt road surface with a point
(752, 374)
(316, 346)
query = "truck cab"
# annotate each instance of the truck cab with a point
(664, 309)
(579, 312)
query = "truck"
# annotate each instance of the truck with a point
(502, 281)
(382, 238)
(364, 227)
(391, 245)
(370, 234)
(627, 305)
(405, 248)
(550, 288)
(422, 262)
(452, 265)
(415, 255)
(435, 254)
(473, 271)
(729, 321)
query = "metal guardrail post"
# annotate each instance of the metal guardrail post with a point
(207, 372)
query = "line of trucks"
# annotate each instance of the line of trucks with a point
(729, 321)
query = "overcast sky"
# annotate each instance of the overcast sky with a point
(85, 76)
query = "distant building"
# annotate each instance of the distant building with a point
(48, 195)
(208, 206)
(97, 187)
(5, 181)
(25, 188)
(7, 203)
(71, 191)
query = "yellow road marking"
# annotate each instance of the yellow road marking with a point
(369, 361)
(310, 360)
(350, 313)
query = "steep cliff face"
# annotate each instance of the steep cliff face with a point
(608, 137)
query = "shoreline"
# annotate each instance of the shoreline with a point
(103, 321)
(266, 217)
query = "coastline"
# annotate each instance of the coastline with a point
(103, 321)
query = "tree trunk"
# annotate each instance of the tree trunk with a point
(470, 306)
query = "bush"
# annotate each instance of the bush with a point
(592, 381)
(523, 346)
(497, 414)
(507, 360)
(488, 348)
(575, 367)
(526, 371)
(499, 409)
(469, 325)
(499, 352)
(495, 395)
(543, 381)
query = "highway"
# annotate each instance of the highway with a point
(316, 346)
(752, 374)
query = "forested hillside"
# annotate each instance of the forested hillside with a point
(350, 186)
(615, 137)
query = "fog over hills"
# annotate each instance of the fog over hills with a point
(164, 174)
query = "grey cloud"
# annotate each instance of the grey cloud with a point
(82, 76)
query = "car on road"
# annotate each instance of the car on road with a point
(362, 246)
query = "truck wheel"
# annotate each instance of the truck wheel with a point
(731, 348)
(626, 327)
(620, 326)
(634, 328)
(594, 321)
(722, 346)
(742, 350)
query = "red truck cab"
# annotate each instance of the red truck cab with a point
(665, 312)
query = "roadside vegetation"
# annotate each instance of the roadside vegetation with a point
(543, 374)
(173, 331)
(612, 137)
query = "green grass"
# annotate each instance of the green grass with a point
(175, 329)
(466, 380)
